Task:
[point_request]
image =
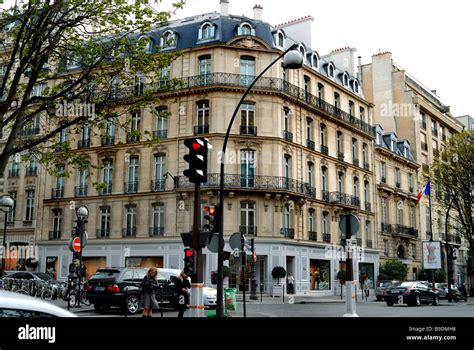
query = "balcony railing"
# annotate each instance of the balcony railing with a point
(454, 238)
(129, 232)
(424, 146)
(288, 136)
(31, 171)
(344, 199)
(57, 193)
(80, 191)
(355, 162)
(14, 172)
(386, 227)
(54, 235)
(201, 129)
(288, 232)
(340, 156)
(256, 182)
(366, 166)
(310, 144)
(131, 187)
(369, 243)
(29, 132)
(405, 230)
(158, 185)
(264, 83)
(107, 189)
(312, 236)
(107, 140)
(133, 138)
(327, 237)
(324, 149)
(248, 130)
(156, 231)
(84, 143)
(368, 206)
(325, 196)
(248, 230)
(160, 134)
(103, 233)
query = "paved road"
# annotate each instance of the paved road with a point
(318, 308)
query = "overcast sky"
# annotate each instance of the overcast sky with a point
(430, 39)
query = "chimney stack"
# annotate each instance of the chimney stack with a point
(258, 12)
(224, 7)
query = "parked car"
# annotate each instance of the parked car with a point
(442, 289)
(19, 305)
(412, 293)
(382, 286)
(27, 275)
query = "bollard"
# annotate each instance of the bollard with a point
(161, 287)
(261, 292)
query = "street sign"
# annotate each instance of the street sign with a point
(235, 241)
(76, 244)
(349, 223)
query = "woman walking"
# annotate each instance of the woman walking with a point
(148, 301)
(181, 287)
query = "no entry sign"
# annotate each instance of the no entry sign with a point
(76, 244)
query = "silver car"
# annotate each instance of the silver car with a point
(19, 305)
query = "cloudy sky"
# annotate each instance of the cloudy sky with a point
(431, 39)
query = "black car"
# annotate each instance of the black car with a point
(411, 293)
(120, 287)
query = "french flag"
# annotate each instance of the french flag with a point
(424, 192)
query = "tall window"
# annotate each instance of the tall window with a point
(247, 70)
(399, 214)
(355, 150)
(104, 222)
(132, 175)
(63, 136)
(309, 129)
(205, 68)
(337, 101)
(325, 222)
(412, 217)
(340, 182)
(110, 128)
(30, 205)
(384, 210)
(324, 179)
(158, 218)
(427, 218)
(114, 85)
(397, 177)
(365, 158)
(410, 181)
(134, 127)
(247, 217)
(107, 176)
(139, 84)
(382, 171)
(57, 223)
(368, 236)
(83, 176)
(307, 87)
(165, 75)
(131, 220)
(320, 95)
(281, 40)
(310, 174)
(86, 135)
(247, 118)
(247, 168)
(203, 113)
(286, 120)
(351, 109)
(161, 122)
(311, 221)
(60, 182)
(12, 211)
(287, 222)
(366, 193)
(362, 114)
(339, 144)
(355, 187)
(322, 134)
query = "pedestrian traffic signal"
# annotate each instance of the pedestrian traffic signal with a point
(189, 261)
(197, 159)
(213, 218)
(226, 255)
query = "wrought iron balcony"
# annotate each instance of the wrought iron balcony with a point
(131, 187)
(156, 231)
(103, 233)
(133, 138)
(107, 140)
(158, 185)
(404, 231)
(310, 144)
(366, 166)
(368, 206)
(325, 196)
(31, 171)
(327, 237)
(344, 199)
(248, 130)
(324, 149)
(340, 156)
(80, 191)
(288, 136)
(386, 227)
(160, 134)
(14, 172)
(248, 230)
(201, 129)
(57, 193)
(84, 143)
(288, 232)
(107, 189)
(31, 131)
(54, 235)
(255, 182)
(369, 243)
(312, 236)
(129, 232)
(355, 161)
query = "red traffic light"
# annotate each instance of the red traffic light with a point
(210, 210)
(196, 146)
(188, 253)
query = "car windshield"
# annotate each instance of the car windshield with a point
(407, 284)
(43, 276)
(105, 274)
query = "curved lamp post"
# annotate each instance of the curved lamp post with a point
(292, 60)
(8, 203)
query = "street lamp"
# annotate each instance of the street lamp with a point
(293, 59)
(450, 299)
(8, 203)
(82, 214)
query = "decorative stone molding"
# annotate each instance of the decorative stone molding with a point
(246, 144)
(324, 162)
(249, 42)
(159, 149)
(266, 201)
(133, 151)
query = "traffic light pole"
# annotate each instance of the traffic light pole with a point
(253, 276)
(350, 285)
(197, 304)
(220, 252)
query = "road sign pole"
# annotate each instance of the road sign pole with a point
(197, 304)
(350, 285)
(244, 265)
(253, 281)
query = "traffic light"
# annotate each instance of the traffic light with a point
(189, 261)
(212, 216)
(197, 159)
(226, 255)
(213, 277)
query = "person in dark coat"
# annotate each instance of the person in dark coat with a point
(148, 301)
(181, 288)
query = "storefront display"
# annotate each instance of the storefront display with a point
(144, 261)
(320, 274)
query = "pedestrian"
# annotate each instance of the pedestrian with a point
(463, 290)
(291, 283)
(366, 287)
(181, 288)
(148, 301)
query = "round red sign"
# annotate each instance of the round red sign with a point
(76, 244)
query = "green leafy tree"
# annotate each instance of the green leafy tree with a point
(393, 270)
(278, 272)
(57, 54)
(439, 276)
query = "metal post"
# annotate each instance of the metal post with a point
(80, 227)
(161, 287)
(261, 292)
(253, 281)
(4, 244)
(350, 287)
(220, 252)
(244, 265)
(197, 306)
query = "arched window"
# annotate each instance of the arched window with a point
(345, 79)
(168, 40)
(146, 43)
(315, 60)
(356, 86)
(331, 70)
(207, 31)
(302, 50)
(245, 29)
(281, 40)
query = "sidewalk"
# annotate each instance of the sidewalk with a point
(297, 299)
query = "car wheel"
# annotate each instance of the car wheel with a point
(379, 298)
(133, 304)
(417, 300)
(389, 303)
(435, 301)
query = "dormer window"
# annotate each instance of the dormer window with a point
(245, 29)
(393, 145)
(146, 43)
(207, 31)
(331, 70)
(345, 79)
(405, 151)
(281, 40)
(356, 86)
(168, 40)
(315, 61)
(302, 50)
(378, 138)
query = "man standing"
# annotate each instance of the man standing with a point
(291, 283)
